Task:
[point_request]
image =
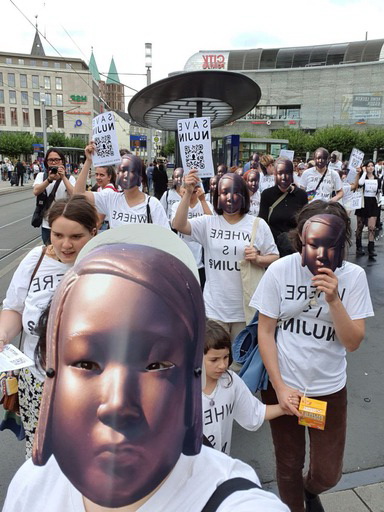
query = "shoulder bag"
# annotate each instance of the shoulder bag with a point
(312, 193)
(43, 203)
(9, 384)
(250, 277)
(245, 351)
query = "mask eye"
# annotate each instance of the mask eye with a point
(159, 366)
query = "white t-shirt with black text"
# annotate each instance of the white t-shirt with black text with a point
(118, 212)
(224, 246)
(169, 197)
(230, 401)
(266, 181)
(254, 203)
(311, 358)
(31, 304)
(331, 182)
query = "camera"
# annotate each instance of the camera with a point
(53, 170)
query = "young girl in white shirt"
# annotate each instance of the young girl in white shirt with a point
(225, 396)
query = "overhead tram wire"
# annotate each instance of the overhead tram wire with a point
(57, 51)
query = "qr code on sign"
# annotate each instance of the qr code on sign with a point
(104, 146)
(194, 156)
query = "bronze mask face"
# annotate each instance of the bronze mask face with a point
(123, 399)
(323, 240)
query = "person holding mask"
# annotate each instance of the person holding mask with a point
(73, 223)
(225, 238)
(252, 179)
(267, 175)
(131, 206)
(172, 195)
(280, 204)
(212, 187)
(319, 182)
(53, 178)
(312, 308)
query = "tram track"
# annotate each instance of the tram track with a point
(19, 247)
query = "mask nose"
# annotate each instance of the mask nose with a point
(321, 254)
(120, 397)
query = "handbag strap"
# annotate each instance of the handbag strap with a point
(149, 215)
(321, 180)
(54, 190)
(254, 230)
(226, 489)
(43, 251)
(278, 200)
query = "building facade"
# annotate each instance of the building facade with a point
(306, 87)
(70, 93)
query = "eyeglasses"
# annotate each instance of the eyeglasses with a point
(54, 160)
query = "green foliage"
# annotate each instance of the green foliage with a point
(16, 144)
(75, 142)
(371, 139)
(57, 140)
(299, 141)
(340, 138)
(248, 135)
(169, 148)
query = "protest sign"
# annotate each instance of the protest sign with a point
(357, 199)
(287, 153)
(194, 137)
(11, 358)
(356, 159)
(105, 139)
(351, 176)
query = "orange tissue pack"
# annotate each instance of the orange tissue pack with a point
(313, 413)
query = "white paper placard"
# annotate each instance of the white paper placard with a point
(356, 201)
(351, 176)
(287, 153)
(194, 136)
(105, 139)
(356, 159)
(11, 358)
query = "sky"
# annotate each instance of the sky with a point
(178, 29)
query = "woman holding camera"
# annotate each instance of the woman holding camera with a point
(55, 181)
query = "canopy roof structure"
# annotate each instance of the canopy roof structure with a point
(223, 96)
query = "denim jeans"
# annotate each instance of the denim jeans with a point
(326, 450)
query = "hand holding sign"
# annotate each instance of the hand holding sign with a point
(89, 150)
(194, 136)
(191, 180)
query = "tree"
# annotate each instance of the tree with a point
(16, 144)
(299, 141)
(169, 148)
(57, 140)
(371, 139)
(339, 138)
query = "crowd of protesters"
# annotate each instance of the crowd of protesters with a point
(289, 219)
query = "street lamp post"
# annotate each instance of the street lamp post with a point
(148, 65)
(44, 122)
